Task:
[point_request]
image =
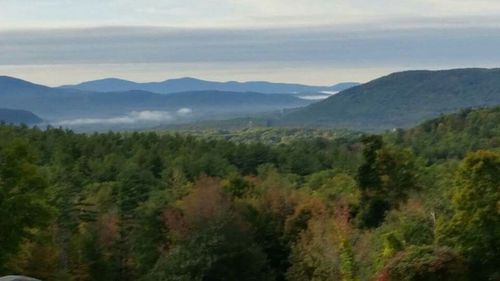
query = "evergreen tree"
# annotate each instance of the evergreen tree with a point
(23, 198)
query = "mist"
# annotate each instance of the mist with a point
(143, 118)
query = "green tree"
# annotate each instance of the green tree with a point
(135, 185)
(474, 228)
(385, 179)
(23, 204)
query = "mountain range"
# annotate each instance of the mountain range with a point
(401, 99)
(63, 103)
(193, 84)
(398, 100)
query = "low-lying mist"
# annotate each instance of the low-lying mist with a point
(132, 119)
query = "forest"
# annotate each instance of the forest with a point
(404, 205)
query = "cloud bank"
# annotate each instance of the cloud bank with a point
(224, 13)
(307, 41)
(134, 117)
(357, 52)
(319, 44)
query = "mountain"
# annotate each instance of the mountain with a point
(106, 85)
(402, 99)
(58, 103)
(21, 87)
(17, 116)
(192, 84)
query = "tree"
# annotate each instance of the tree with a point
(324, 250)
(133, 190)
(209, 240)
(474, 228)
(315, 256)
(425, 263)
(23, 204)
(384, 180)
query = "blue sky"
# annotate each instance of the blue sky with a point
(308, 41)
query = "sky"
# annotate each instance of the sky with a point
(319, 42)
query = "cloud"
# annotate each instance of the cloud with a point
(298, 54)
(344, 46)
(134, 117)
(184, 111)
(61, 41)
(223, 13)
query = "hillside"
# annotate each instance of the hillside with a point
(16, 116)
(402, 99)
(452, 136)
(192, 84)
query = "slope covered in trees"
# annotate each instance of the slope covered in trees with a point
(147, 206)
(403, 99)
(452, 136)
(16, 116)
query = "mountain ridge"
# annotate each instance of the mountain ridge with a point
(402, 99)
(193, 84)
(18, 116)
(56, 103)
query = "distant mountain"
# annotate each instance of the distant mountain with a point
(58, 103)
(192, 84)
(17, 116)
(21, 87)
(106, 85)
(402, 99)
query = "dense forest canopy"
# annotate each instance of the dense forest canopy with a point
(404, 205)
